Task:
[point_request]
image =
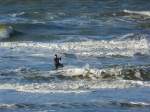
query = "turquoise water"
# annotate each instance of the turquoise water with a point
(105, 49)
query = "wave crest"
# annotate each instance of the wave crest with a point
(144, 13)
(127, 73)
(74, 73)
(89, 48)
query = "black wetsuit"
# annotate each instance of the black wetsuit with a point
(57, 63)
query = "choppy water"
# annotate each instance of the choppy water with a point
(105, 49)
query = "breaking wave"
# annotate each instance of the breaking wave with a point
(89, 48)
(78, 78)
(72, 80)
(74, 73)
(144, 13)
(127, 73)
(5, 31)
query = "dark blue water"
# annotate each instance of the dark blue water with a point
(105, 49)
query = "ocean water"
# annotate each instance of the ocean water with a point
(104, 46)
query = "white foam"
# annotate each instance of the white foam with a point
(17, 14)
(88, 48)
(145, 13)
(38, 22)
(72, 86)
(8, 106)
(140, 103)
(5, 32)
(92, 79)
(87, 72)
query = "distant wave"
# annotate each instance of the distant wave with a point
(20, 106)
(90, 48)
(31, 17)
(144, 13)
(131, 104)
(46, 15)
(17, 14)
(20, 17)
(76, 104)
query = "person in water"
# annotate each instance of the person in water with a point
(57, 62)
